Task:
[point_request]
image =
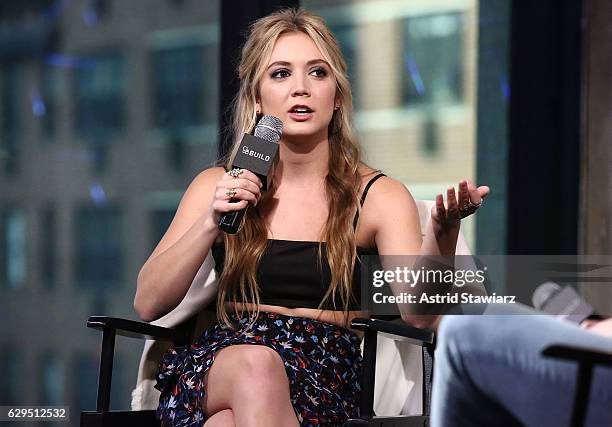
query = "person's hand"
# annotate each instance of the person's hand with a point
(239, 185)
(447, 217)
(599, 327)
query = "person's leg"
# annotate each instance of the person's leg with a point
(224, 418)
(488, 370)
(252, 382)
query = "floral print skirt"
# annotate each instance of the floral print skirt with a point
(322, 361)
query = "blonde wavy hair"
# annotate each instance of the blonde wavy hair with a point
(245, 249)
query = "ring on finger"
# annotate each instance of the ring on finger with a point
(475, 205)
(470, 208)
(230, 193)
(236, 172)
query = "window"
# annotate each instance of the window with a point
(11, 378)
(100, 89)
(99, 250)
(161, 208)
(96, 11)
(14, 248)
(432, 59)
(414, 72)
(177, 3)
(52, 380)
(179, 87)
(160, 221)
(10, 118)
(121, 391)
(44, 104)
(48, 246)
(184, 90)
(346, 35)
(85, 382)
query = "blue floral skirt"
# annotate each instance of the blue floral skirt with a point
(322, 361)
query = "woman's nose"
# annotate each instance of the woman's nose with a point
(300, 87)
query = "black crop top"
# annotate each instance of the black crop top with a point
(290, 275)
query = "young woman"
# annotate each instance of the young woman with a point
(282, 353)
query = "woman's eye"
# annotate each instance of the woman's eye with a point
(319, 72)
(277, 74)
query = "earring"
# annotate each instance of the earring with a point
(336, 108)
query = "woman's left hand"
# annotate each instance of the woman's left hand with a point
(447, 218)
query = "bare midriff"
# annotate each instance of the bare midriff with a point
(328, 316)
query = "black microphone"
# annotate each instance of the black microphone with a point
(563, 303)
(256, 153)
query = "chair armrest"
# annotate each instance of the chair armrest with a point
(396, 331)
(579, 354)
(140, 330)
(111, 327)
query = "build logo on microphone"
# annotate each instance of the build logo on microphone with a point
(255, 154)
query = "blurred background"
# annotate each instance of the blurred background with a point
(108, 109)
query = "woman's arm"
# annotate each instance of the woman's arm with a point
(166, 276)
(397, 232)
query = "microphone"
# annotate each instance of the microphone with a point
(256, 153)
(564, 303)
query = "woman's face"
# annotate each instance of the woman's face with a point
(298, 87)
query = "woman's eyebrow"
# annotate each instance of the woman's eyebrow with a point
(287, 64)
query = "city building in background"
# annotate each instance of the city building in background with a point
(413, 69)
(108, 109)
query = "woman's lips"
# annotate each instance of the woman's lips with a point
(300, 117)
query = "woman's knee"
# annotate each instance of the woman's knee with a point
(248, 366)
(260, 366)
(223, 418)
(239, 371)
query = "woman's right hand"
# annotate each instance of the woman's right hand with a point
(243, 188)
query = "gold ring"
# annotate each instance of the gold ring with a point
(230, 193)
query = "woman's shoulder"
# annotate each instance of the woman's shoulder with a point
(208, 177)
(388, 209)
(384, 187)
(200, 190)
(214, 172)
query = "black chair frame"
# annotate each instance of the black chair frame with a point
(111, 327)
(587, 359)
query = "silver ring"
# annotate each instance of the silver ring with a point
(475, 205)
(236, 172)
(470, 208)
